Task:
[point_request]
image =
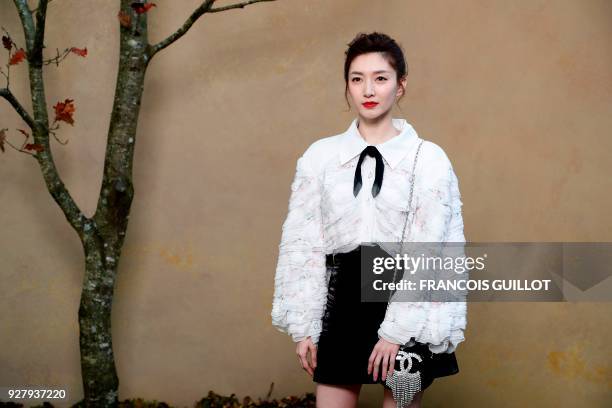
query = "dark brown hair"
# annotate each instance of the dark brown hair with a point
(375, 42)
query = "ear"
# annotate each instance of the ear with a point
(401, 86)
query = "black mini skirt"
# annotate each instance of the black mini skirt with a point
(350, 330)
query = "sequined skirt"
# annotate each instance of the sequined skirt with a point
(350, 329)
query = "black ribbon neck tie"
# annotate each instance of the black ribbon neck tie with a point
(371, 151)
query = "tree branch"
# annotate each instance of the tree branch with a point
(39, 34)
(8, 95)
(233, 6)
(58, 57)
(197, 13)
(26, 21)
(34, 37)
(36, 9)
(204, 8)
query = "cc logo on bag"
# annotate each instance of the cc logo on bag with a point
(403, 356)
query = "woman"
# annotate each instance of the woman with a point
(352, 188)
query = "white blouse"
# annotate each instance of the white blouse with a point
(325, 217)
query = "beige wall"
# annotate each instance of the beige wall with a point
(518, 93)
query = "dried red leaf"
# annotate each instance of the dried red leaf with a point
(34, 146)
(7, 42)
(79, 51)
(141, 8)
(64, 111)
(2, 139)
(17, 57)
(124, 19)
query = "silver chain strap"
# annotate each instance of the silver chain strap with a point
(404, 384)
(408, 212)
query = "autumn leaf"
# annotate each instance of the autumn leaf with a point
(2, 139)
(34, 146)
(124, 19)
(141, 8)
(6, 42)
(79, 51)
(64, 111)
(17, 57)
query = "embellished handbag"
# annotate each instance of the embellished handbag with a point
(415, 365)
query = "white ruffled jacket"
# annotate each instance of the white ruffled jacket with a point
(324, 217)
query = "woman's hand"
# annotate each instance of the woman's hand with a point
(302, 349)
(386, 352)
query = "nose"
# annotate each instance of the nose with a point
(368, 88)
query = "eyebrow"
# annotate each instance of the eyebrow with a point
(381, 71)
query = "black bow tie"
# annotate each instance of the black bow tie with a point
(380, 168)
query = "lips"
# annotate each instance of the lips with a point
(369, 105)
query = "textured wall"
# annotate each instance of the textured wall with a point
(518, 93)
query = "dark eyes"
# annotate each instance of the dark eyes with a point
(358, 79)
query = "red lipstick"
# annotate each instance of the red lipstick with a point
(369, 105)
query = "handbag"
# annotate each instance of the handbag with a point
(414, 365)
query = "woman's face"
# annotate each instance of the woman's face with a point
(372, 85)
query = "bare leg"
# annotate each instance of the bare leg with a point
(337, 396)
(389, 402)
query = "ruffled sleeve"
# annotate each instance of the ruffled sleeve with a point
(455, 229)
(457, 310)
(300, 284)
(437, 218)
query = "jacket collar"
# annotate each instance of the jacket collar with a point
(393, 150)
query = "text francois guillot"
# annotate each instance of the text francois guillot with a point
(459, 265)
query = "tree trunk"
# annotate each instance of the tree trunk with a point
(100, 381)
(104, 233)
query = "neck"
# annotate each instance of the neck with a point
(377, 131)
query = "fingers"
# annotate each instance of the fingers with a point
(392, 358)
(313, 355)
(377, 364)
(385, 366)
(302, 352)
(305, 364)
(390, 366)
(384, 355)
(374, 361)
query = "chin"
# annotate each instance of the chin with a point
(373, 114)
